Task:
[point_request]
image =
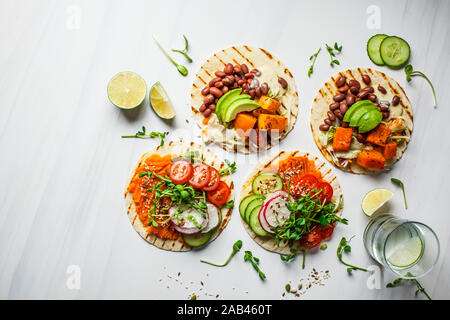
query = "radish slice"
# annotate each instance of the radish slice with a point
(276, 212)
(263, 222)
(182, 221)
(213, 217)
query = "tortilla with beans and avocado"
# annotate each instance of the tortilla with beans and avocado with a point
(244, 99)
(362, 121)
(161, 221)
(277, 181)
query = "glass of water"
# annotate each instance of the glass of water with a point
(409, 249)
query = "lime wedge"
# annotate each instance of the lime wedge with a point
(407, 254)
(127, 90)
(374, 200)
(160, 102)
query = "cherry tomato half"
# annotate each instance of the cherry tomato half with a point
(213, 183)
(180, 171)
(311, 239)
(327, 191)
(304, 185)
(326, 231)
(220, 195)
(201, 176)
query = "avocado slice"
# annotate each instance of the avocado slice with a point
(238, 106)
(369, 120)
(359, 113)
(356, 106)
(226, 97)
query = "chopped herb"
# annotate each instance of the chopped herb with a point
(230, 169)
(332, 54)
(184, 51)
(229, 204)
(236, 248)
(400, 183)
(154, 134)
(324, 246)
(397, 281)
(411, 72)
(344, 246)
(248, 256)
(313, 60)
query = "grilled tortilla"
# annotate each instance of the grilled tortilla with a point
(325, 97)
(255, 58)
(178, 148)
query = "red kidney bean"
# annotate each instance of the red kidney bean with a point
(331, 115)
(228, 68)
(202, 108)
(350, 99)
(372, 97)
(282, 82)
(357, 99)
(225, 89)
(354, 83)
(220, 74)
(324, 127)
(254, 71)
(235, 85)
(245, 85)
(218, 84)
(249, 75)
(382, 89)
(334, 106)
(249, 81)
(366, 79)
(363, 94)
(343, 89)
(212, 107)
(395, 100)
(360, 138)
(354, 89)
(216, 92)
(258, 92)
(369, 89)
(230, 78)
(213, 81)
(208, 99)
(338, 114)
(343, 107)
(339, 97)
(216, 100)
(241, 82)
(385, 114)
(264, 88)
(254, 83)
(237, 78)
(244, 68)
(227, 81)
(207, 112)
(237, 69)
(245, 91)
(205, 91)
(328, 122)
(344, 124)
(384, 108)
(252, 93)
(341, 81)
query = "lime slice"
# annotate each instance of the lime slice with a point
(374, 200)
(160, 102)
(407, 254)
(127, 90)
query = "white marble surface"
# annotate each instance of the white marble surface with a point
(63, 165)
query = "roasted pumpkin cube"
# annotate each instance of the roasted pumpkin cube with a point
(390, 150)
(269, 104)
(342, 139)
(371, 159)
(271, 122)
(379, 135)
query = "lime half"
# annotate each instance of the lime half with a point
(407, 254)
(160, 102)
(127, 90)
(374, 200)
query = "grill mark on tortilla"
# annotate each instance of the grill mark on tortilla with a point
(201, 79)
(194, 87)
(286, 71)
(194, 110)
(246, 47)
(360, 72)
(327, 85)
(244, 57)
(266, 53)
(207, 72)
(215, 56)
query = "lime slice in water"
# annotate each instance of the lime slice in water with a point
(407, 254)
(127, 90)
(374, 200)
(160, 102)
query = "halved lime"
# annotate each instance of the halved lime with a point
(160, 102)
(407, 254)
(127, 90)
(374, 200)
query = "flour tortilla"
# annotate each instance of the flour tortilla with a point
(325, 97)
(254, 58)
(327, 175)
(178, 148)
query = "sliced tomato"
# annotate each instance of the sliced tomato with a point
(311, 239)
(180, 171)
(220, 195)
(201, 176)
(327, 191)
(304, 185)
(326, 231)
(214, 180)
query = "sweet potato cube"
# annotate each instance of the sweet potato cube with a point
(244, 121)
(269, 104)
(390, 150)
(371, 159)
(342, 139)
(379, 135)
(271, 122)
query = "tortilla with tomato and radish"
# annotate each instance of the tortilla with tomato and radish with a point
(177, 196)
(244, 99)
(274, 193)
(362, 121)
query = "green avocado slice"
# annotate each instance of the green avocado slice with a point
(354, 119)
(369, 120)
(238, 106)
(223, 100)
(355, 107)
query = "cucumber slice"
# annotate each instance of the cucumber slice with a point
(254, 203)
(395, 52)
(254, 222)
(244, 203)
(196, 239)
(373, 48)
(266, 183)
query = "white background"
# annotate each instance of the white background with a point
(63, 165)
